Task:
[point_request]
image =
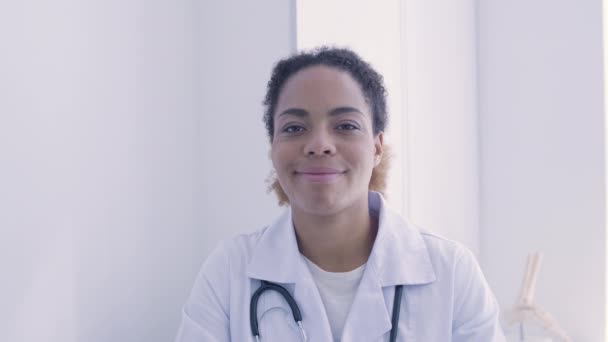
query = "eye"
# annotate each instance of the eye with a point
(293, 129)
(347, 127)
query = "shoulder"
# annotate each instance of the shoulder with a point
(456, 264)
(453, 262)
(236, 249)
(228, 259)
(475, 310)
(445, 252)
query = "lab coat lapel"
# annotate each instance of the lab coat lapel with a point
(277, 259)
(314, 316)
(399, 256)
(368, 318)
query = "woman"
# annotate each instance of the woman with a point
(338, 265)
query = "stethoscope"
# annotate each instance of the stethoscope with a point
(297, 315)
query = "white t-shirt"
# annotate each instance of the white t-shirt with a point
(337, 291)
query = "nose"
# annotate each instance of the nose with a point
(320, 143)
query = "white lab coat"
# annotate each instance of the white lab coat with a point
(445, 296)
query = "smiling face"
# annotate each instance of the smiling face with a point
(324, 148)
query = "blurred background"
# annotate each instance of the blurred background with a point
(132, 142)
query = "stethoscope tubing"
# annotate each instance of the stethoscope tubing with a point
(297, 315)
(253, 308)
(396, 310)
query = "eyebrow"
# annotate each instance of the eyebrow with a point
(299, 112)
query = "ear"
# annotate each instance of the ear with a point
(379, 148)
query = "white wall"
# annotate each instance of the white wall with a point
(542, 155)
(129, 131)
(441, 128)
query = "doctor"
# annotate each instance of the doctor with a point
(355, 269)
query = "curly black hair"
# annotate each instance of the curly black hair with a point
(371, 82)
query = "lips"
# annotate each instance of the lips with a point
(319, 174)
(318, 170)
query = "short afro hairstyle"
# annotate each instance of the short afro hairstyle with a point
(372, 86)
(370, 81)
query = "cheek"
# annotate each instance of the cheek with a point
(362, 156)
(280, 156)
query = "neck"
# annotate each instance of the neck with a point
(339, 242)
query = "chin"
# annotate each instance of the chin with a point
(320, 204)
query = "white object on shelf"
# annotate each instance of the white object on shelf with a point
(526, 311)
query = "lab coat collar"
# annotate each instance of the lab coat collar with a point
(276, 257)
(399, 254)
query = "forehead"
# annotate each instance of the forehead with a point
(321, 87)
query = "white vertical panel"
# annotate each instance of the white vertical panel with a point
(605, 84)
(426, 51)
(372, 29)
(442, 129)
